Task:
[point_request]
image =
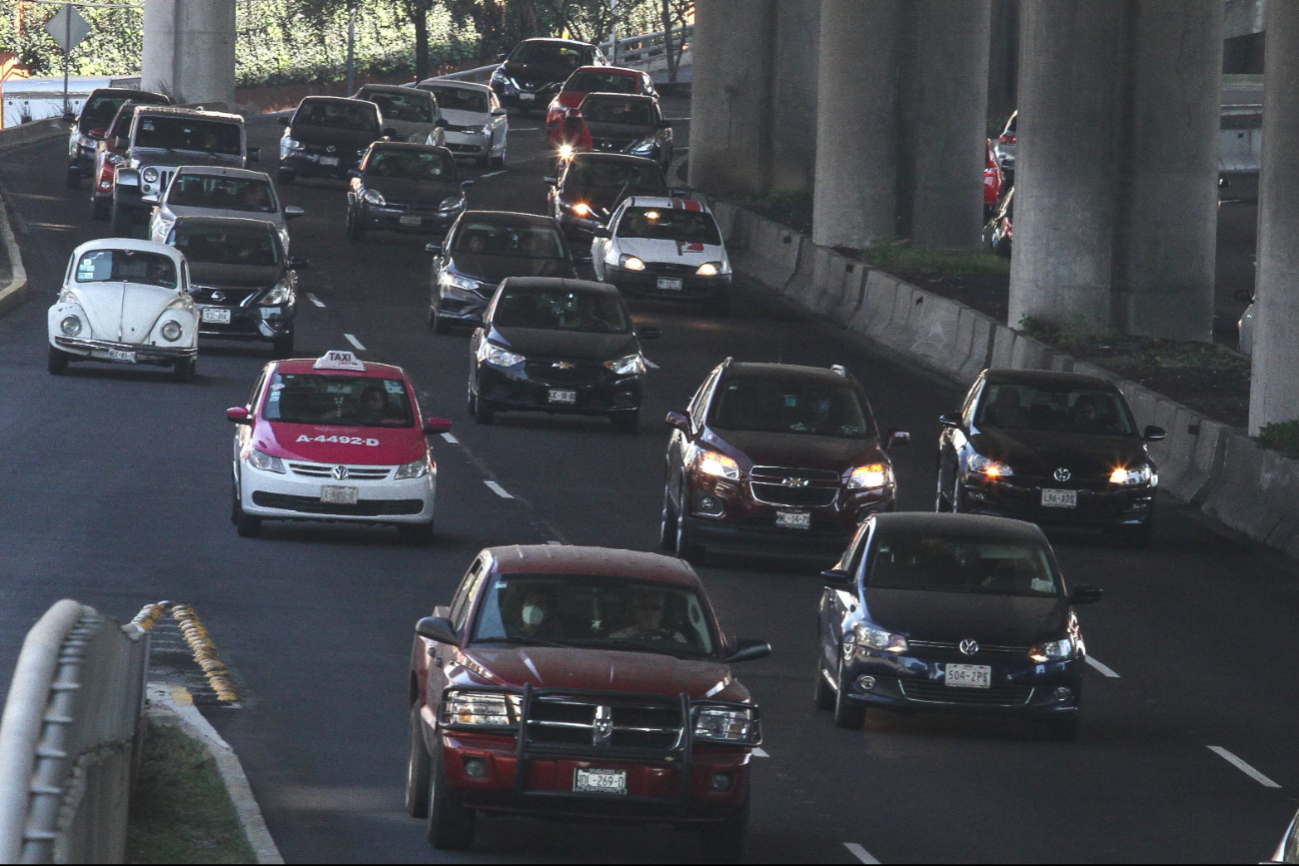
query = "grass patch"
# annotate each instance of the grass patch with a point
(180, 812)
(892, 255)
(1283, 437)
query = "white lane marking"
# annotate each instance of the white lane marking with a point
(759, 753)
(861, 853)
(1243, 767)
(315, 300)
(355, 342)
(491, 174)
(1106, 670)
(498, 490)
(652, 365)
(451, 439)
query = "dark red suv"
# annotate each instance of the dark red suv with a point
(583, 683)
(775, 458)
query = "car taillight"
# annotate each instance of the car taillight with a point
(1007, 139)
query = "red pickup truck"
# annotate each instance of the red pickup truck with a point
(584, 683)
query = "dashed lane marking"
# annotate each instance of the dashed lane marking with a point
(861, 853)
(652, 365)
(492, 174)
(760, 753)
(315, 300)
(450, 439)
(1106, 670)
(355, 342)
(498, 490)
(1243, 767)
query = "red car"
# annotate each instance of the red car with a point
(108, 155)
(596, 79)
(580, 683)
(992, 181)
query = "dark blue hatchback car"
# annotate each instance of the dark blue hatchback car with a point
(955, 613)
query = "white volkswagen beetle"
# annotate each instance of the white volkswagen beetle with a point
(128, 302)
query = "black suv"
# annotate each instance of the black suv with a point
(413, 188)
(327, 136)
(592, 186)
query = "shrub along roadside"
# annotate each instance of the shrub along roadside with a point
(1282, 437)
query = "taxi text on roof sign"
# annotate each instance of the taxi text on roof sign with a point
(338, 360)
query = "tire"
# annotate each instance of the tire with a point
(184, 370)
(123, 221)
(725, 842)
(101, 210)
(849, 715)
(941, 504)
(483, 161)
(418, 767)
(668, 524)
(355, 231)
(74, 178)
(246, 525)
(626, 422)
(824, 695)
(58, 362)
(471, 405)
(283, 347)
(450, 823)
(499, 161)
(695, 554)
(955, 504)
(287, 176)
(416, 533)
(485, 413)
(436, 322)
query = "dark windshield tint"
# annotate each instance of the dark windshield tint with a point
(935, 563)
(253, 247)
(356, 115)
(411, 164)
(592, 611)
(816, 408)
(458, 99)
(562, 309)
(338, 401)
(127, 266)
(644, 177)
(189, 133)
(413, 107)
(526, 242)
(99, 111)
(551, 54)
(608, 109)
(1058, 409)
(669, 224)
(221, 193)
(122, 123)
(601, 82)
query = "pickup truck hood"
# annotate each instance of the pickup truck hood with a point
(123, 312)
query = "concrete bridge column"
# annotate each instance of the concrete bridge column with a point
(792, 120)
(1274, 395)
(158, 72)
(189, 49)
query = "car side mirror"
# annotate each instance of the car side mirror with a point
(436, 426)
(389, 132)
(254, 154)
(678, 421)
(239, 415)
(950, 420)
(128, 177)
(435, 249)
(649, 332)
(897, 437)
(292, 212)
(836, 577)
(284, 120)
(437, 628)
(441, 123)
(69, 118)
(553, 181)
(1155, 434)
(1085, 595)
(296, 264)
(748, 650)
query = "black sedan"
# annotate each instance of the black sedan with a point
(411, 188)
(633, 125)
(244, 286)
(952, 613)
(537, 68)
(327, 136)
(483, 248)
(1057, 449)
(592, 185)
(558, 346)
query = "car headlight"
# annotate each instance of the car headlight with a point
(628, 366)
(265, 462)
(293, 144)
(642, 147)
(870, 477)
(375, 198)
(876, 638)
(1135, 476)
(114, 159)
(457, 284)
(479, 708)
(566, 152)
(150, 175)
(1052, 651)
(278, 296)
(489, 353)
(414, 469)
(725, 724)
(717, 465)
(980, 465)
(581, 209)
(709, 269)
(631, 263)
(486, 130)
(451, 203)
(71, 326)
(171, 331)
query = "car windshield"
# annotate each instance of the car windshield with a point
(669, 224)
(122, 123)
(601, 82)
(214, 192)
(352, 115)
(1054, 409)
(338, 401)
(127, 266)
(632, 112)
(562, 309)
(189, 133)
(525, 242)
(99, 111)
(594, 612)
(252, 247)
(458, 98)
(551, 54)
(774, 405)
(413, 107)
(937, 563)
(411, 164)
(636, 176)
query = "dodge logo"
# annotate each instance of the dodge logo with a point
(1063, 474)
(969, 647)
(340, 472)
(602, 730)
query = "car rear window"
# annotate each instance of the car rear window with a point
(458, 98)
(669, 224)
(938, 563)
(128, 266)
(221, 193)
(1054, 409)
(356, 115)
(192, 134)
(251, 247)
(338, 401)
(562, 309)
(607, 109)
(413, 107)
(601, 82)
(804, 407)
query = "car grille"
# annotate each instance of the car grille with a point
(561, 721)
(364, 508)
(230, 297)
(419, 207)
(984, 649)
(806, 488)
(936, 692)
(546, 372)
(666, 269)
(469, 130)
(354, 473)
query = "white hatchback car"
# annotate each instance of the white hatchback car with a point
(664, 248)
(477, 125)
(410, 112)
(128, 302)
(208, 191)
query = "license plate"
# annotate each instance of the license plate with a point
(339, 495)
(411, 221)
(793, 520)
(527, 97)
(969, 676)
(564, 397)
(599, 781)
(329, 160)
(121, 355)
(670, 284)
(1059, 498)
(216, 317)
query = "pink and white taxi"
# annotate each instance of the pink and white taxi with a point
(334, 439)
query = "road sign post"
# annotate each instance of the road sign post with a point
(68, 29)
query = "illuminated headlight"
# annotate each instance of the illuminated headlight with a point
(628, 366)
(582, 209)
(475, 708)
(980, 465)
(454, 284)
(631, 263)
(566, 152)
(876, 638)
(414, 469)
(71, 326)
(492, 354)
(293, 144)
(278, 296)
(870, 477)
(171, 331)
(375, 198)
(1133, 477)
(717, 465)
(725, 725)
(451, 203)
(150, 175)
(642, 148)
(1052, 651)
(265, 462)
(709, 269)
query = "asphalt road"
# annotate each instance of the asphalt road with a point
(117, 493)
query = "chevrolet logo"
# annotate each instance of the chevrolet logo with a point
(796, 483)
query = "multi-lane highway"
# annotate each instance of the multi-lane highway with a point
(117, 492)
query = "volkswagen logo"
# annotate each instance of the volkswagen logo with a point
(218, 296)
(1063, 474)
(796, 483)
(969, 647)
(331, 149)
(602, 729)
(340, 472)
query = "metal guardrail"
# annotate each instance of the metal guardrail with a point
(70, 737)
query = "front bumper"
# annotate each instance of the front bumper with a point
(394, 219)
(291, 496)
(645, 284)
(527, 389)
(1022, 500)
(268, 324)
(306, 164)
(98, 350)
(468, 144)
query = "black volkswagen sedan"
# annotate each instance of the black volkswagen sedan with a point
(537, 68)
(327, 136)
(483, 248)
(412, 188)
(1057, 449)
(952, 613)
(634, 125)
(244, 286)
(559, 346)
(592, 185)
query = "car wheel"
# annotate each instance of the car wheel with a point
(724, 842)
(283, 347)
(418, 766)
(74, 178)
(355, 231)
(848, 714)
(416, 533)
(685, 548)
(499, 161)
(101, 210)
(626, 422)
(941, 505)
(123, 221)
(956, 504)
(184, 370)
(824, 695)
(668, 525)
(482, 161)
(485, 413)
(287, 176)
(436, 322)
(450, 822)
(247, 525)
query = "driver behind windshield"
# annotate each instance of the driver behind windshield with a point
(649, 619)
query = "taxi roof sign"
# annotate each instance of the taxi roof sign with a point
(339, 360)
